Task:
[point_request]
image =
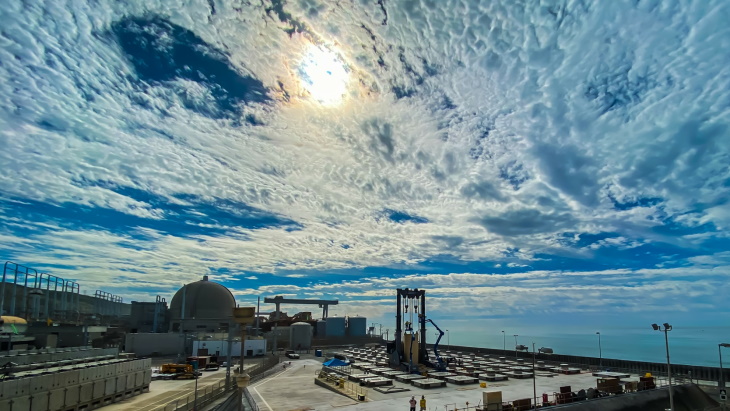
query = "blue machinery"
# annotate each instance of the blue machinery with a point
(440, 364)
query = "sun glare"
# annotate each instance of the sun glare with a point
(324, 75)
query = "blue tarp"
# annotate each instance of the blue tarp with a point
(335, 363)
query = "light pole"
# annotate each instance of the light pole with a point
(516, 345)
(195, 375)
(719, 351)
(600, 354)
(666, 329)
(448, 340)
(504, 343)
(534, 377)
(542, 350)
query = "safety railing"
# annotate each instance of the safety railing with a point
(249, 402)
(205, 395)
(340, 384)
(263, 369)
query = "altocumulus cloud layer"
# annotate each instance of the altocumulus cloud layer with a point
(550, 148)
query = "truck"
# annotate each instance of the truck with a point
(178, 371)
(291, 354)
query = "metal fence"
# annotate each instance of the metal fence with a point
(249, 402)
(205, 396)
(258, 372)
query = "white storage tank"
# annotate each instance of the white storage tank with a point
(335, 326)
(357, 326)
(321, 328)
(300, 336)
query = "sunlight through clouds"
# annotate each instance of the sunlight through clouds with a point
(161, 140)
(324, 75)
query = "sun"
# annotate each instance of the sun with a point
(324, 75)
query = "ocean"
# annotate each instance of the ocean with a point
(687, 345)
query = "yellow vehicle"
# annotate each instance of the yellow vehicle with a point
(178, 371)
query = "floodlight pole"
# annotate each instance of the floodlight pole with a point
(534, 377)
(600, 354)
(504, 344)
(669, 369)
(666, 330)
(719, 351)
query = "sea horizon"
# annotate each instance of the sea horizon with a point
(687, 345)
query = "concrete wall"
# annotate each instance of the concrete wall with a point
(144, 344)
(686, 398)
(679, 370)
(253, 347)
(55, 355)
(329, 340)
(35, 308)
(91, 387)
(69, 335)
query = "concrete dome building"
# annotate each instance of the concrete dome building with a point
(201, 306)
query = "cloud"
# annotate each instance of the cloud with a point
(152, 142)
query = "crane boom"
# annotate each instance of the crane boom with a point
(439, 361)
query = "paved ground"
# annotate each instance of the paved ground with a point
(294, 390)
(164, 392)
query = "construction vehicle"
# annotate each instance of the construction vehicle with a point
(440, 364)
(178, 371)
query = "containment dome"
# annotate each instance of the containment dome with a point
(202, 300)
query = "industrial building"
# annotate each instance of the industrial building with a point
(59, 315)
(149, 317)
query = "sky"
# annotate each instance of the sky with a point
(524, 162)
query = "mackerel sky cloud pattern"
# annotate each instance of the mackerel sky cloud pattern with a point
(564, 150)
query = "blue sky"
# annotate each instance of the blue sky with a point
(563, 160)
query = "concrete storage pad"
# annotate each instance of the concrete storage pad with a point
(428, 383)
(409, 377)
(609, 374)
(440, 375)
(493, 377)
(518, 374)
(462, 379)
(375, 382)
(394, 373)
(361, 377)
(390, 390)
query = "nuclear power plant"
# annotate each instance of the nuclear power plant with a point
(100, 349)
